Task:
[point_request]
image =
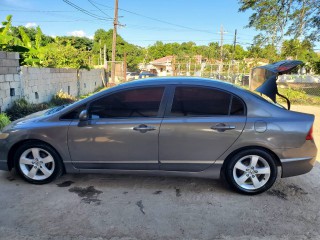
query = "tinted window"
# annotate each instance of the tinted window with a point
(197, 101)
(130, 103)
(237, 107)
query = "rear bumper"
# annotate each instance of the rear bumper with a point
(296, 166)
(297, 161)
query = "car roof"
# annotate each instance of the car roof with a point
(175, 80)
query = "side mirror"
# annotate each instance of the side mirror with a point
(83, 116)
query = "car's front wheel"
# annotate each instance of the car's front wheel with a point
(37, 162)
(251, 171)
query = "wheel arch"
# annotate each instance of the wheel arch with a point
(273, 155)
(22, 142)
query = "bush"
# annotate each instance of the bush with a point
(62, 98)
(22, 108)
(4, 120)
(298, 96)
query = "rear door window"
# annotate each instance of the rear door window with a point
(202, 101)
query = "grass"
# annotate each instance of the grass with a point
(4, 120)
(22, 108)
(297, 96)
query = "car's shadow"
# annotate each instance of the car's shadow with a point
(131, 182)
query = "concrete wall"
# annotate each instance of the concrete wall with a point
(10, 86)
(38, 85)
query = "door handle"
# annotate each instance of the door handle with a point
(221, 127)
(144, 128)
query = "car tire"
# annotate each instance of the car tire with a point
(251, 171)
(37, 162)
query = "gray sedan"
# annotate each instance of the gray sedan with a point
(165, 126)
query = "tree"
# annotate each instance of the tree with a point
(31, 32)
(83, 43)
(276, 18)
(8, 42)
(59, 55)
(134, 53)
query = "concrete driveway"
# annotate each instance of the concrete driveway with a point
(91, 206)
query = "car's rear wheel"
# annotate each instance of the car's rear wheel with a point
(251, 171)
(37, 162)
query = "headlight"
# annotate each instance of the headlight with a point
(3, 135)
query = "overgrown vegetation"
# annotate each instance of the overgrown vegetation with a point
(62, 98)
(22, 108)
(298, 96)
(4, 120)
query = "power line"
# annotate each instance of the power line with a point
(55, 21)
(99, 9)
(84, 11)
(159, 20)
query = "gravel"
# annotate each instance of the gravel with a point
(93, 206)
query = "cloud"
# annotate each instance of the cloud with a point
(77, 33)
(31, 25)
(91, 37)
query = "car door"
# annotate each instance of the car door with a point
(198, 127)
(121, 132)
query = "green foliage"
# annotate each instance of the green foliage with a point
(276, 18)
(62, 98)
(316, 67)
(298, 96)
(4, 120)
(22, 108)
(32, 34)
(61, 56)
(98, 89)
(7, 40)
(104, 38)
(82, 43)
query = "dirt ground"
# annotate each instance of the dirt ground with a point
(93, 206)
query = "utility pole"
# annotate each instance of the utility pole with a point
(221, 43)
(221, 50)
(234, 48)
(234, 43)
(100, 57)
(114, 41)
(125, 66)
(104, 54)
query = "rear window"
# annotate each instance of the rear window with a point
(263, 98)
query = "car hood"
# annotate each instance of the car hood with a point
(34, 117)
(264, 78)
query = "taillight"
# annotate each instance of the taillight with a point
(309, 136)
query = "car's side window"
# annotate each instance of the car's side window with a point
(141, 102)
(201, 101)
(237, 107)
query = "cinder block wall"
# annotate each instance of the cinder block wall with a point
(10, 85)
(38, 85)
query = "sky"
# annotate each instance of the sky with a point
(143, 22)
